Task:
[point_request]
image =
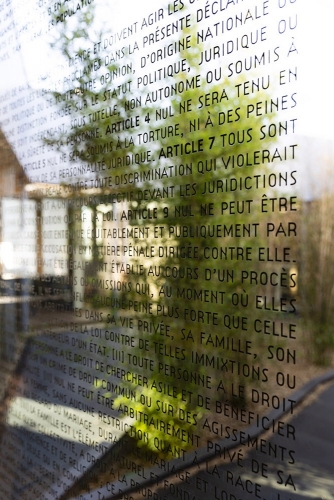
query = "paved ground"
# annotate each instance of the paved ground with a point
(300, 466)
(311, 476)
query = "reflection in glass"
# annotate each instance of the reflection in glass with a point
(165, 281)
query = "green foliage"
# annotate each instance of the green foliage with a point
(167, 425)
(213, 120)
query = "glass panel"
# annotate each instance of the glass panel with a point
(166, 250)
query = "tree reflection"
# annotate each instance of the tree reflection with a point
(168, 180)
